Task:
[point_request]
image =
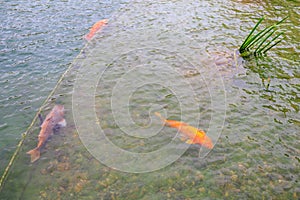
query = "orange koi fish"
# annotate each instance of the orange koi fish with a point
(53, 120)
(95, 28)
(194, 135)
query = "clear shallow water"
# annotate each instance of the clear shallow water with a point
(257, 153)
(39, 40)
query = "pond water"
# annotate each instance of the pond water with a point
(160, 56)
(39, 40)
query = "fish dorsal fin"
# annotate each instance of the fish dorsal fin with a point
(200, 133)
(41, 119)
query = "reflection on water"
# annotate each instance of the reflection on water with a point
(256, 155)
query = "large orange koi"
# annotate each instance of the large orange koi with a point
(54, 119)
(95, 28)
(193, 135)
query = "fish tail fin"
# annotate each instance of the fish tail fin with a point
(105, 21)
(159, 115)
(34, 154)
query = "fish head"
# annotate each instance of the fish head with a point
(100, 23)
(105, 21)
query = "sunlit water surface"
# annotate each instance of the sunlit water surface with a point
(161, 56)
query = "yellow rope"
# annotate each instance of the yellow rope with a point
(5, 173)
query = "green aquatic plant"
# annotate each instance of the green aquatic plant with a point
(258, 44)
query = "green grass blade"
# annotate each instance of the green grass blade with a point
(260, 38)
(254, 39)
(268, 36)
(282, 20)
(242, 47)
(272, 46)
(263, 41)
(270, 42)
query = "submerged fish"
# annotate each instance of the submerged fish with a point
(193, 135)
(95, 28)
(54, 119)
